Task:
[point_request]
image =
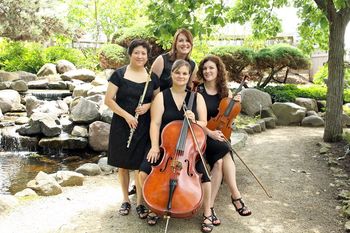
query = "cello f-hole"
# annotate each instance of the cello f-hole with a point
(188, 167)
(166, 164)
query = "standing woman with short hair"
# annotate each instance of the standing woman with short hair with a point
(181, 49)
(126, 86)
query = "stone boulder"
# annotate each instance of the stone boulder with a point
(254, 100)
(80, 131)
(9, 100)
(68, 178)
(85, 112)
(103, 163)
(45, 185)
(64, 142)
(44, 123)
(99, 135)
(89, 169)
(309, 104)
(288, 113)
(312, 121)
(8, 76)
(64, 66)
(47, 69)
(19, 85)
(82, 90)
(26, 76)
(27, 192)
(38, 84)
(80, 74)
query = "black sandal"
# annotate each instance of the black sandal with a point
(204, 225)
(152, 219)
(124, 208)
(215, 220)
(132, 191)
(243, 210)
(142, 211)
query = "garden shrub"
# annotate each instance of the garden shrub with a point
(235, 58)
(26, 56)
(112, 56)
(322, 74)
(55, 53)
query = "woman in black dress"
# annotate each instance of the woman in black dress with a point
(167, 107)
(214, 76)
(126, 85)
(181, 49)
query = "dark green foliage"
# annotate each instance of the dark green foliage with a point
(126, 35)
(112, 56)
(288, 92)
(322, 74)
(275, 58)
(235, 59)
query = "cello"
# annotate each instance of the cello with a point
(228, 111)
(173, 188)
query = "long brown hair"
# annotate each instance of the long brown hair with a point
(221, 79)
(189, 37)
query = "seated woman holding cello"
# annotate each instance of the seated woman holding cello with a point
(183, 182)
(214, 88)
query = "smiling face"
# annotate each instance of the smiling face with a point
(180, 76)
(210, 71)
(138, 56)
(183, 44)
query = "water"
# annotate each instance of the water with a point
(17, 168)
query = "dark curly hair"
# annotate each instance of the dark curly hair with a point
(221, 79)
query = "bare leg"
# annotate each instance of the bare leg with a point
(229, 173)
(206, 206)
(216, 178)
(123, 175)
(138, 188)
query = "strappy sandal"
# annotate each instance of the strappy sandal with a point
(124, 208)
(152, 219)
(142, 211)
(243, 211)
(132, 191)
(206, 226)
(215, 220)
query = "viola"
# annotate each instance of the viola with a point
(173, 188)
(228, 111)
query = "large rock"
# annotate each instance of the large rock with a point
(309, 104)
(47, 69)
(26, 76)
(38, 84)
(85, 112)
(64, 142)
(254, 100)
(82, 90)
(44, 123)
(8, 76)
(80, 74)
(45, 185)
(9, 100)
(99, 135)
(68, 178)
(312, 121)
(89, 169)
(288, 113)
(64, 66)
(19, 85)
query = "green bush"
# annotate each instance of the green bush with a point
(16, 56)
(112, 56)
(55, 53)
(322, 74)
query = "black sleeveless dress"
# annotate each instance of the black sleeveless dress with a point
(165, 77)
(172, 113)
(215, 149)
(127, 97)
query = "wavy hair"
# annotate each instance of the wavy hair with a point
(221, 79)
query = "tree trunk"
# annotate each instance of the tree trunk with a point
(334, 107)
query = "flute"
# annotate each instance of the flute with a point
(142, 97)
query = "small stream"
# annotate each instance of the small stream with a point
(17, 168)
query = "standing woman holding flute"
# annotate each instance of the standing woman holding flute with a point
(128, 87)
